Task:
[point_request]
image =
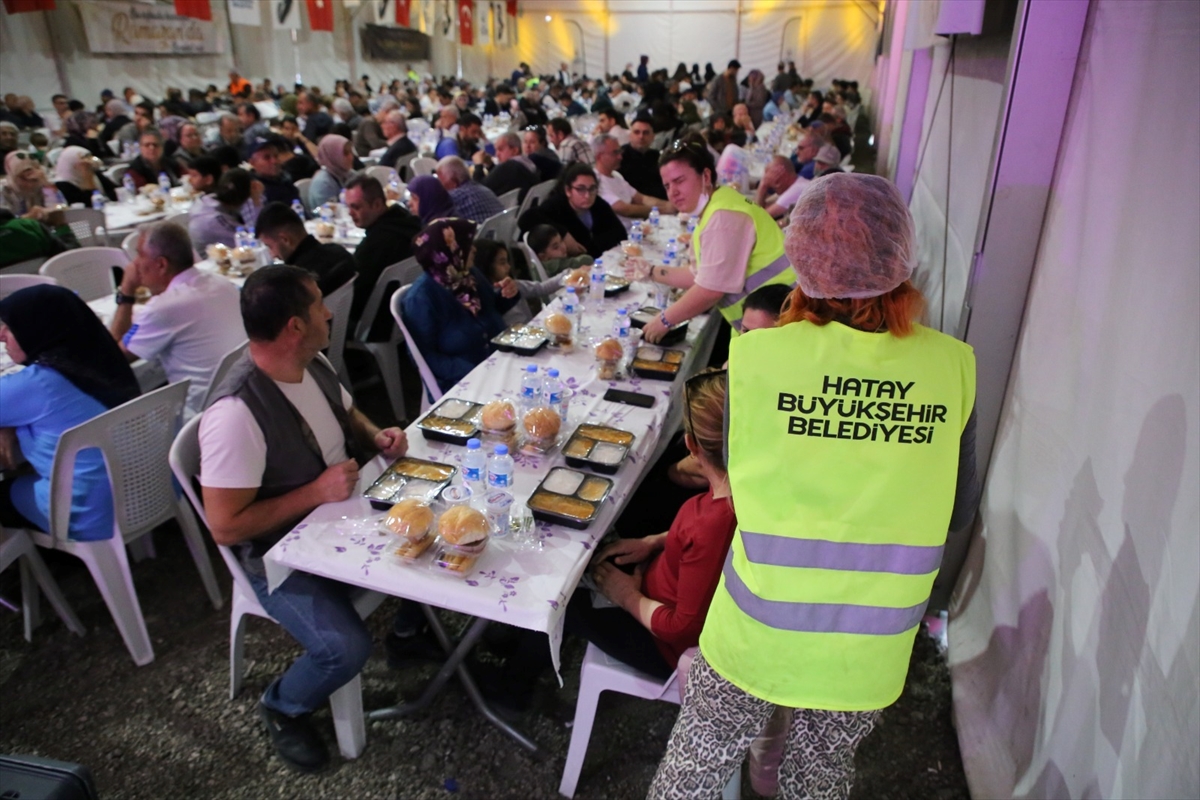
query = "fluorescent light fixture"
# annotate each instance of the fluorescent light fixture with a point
(548, 18)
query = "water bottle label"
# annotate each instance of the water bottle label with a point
(499, 480)
(472, 473)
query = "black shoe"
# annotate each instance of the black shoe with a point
(403, 651)
(295, 739)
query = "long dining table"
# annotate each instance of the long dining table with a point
(525, 579)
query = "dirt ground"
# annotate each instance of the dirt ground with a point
(170, 730)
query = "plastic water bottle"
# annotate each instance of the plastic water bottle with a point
(164, 182)
(394, 186)
(672, 252)
(552, 389)
(597, 280)
(59, 199)
(654, 217)
(127, 182)
(240, 237)
(500, 468)
(635, 233)
(691, 226)
(298, 207)
(571, 305)
(97, 200)
(621, 325)
(473, 465)
(531, 386)
(326, 213)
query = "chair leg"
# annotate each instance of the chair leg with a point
(195, 543)
(237, 664)
(45, 580)
(143, 547)
(581, 733)
(110, 570)
(349, 721)
(387, 358)
(30, 608)
(733, 789)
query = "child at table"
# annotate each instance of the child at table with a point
(494, 260)
(550, 248)
(660, 608)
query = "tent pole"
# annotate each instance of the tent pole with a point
(232, 49)
(59, 67)
(737, 38)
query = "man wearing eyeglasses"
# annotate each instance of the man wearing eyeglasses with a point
(628, 202)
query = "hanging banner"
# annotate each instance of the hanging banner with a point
(138, 28)
(25, 6)
(466, 21)
(285, 14)
(382, 43)
(320, 15)
(383, 11)
(245, 12)
(448, 12)
(197, 9)
(483, 26)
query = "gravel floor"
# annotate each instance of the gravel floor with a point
(170, 730)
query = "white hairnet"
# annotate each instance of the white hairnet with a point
(851, 236)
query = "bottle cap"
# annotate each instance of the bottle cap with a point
(473, 444)
(501, 450)
(553, 373)
(532, 368)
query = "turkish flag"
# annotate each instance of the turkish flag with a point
(511, 8)
(320, 15)
(466, 21)
(21, 6)
(403, 12)
(198, 9)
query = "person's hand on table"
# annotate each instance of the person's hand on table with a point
(507, 288)
(37, 212)
(637, 268)
(337, 483)
(629, 551)
(574, 248)
(619, 587)
(392, 443)
(654, 330)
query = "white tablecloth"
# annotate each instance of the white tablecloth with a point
(528, 583)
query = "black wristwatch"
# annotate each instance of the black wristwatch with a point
(123, 299)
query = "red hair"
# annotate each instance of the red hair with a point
(894, 312)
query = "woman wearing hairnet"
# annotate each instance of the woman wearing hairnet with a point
(851, 454)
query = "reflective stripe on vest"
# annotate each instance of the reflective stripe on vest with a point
(768, 262)
(843, 457)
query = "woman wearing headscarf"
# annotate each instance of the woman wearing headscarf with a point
(77, 174)
(428, 199)
(21, 189)
(451, 311)
(757, 95)
(74, 371)
(335, 154)
(171, 127)
(847, 469)
(78, 126)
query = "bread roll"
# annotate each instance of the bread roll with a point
(499, 415)
(609, 350)
(558, 324)
(410, 518)
(542, 423)
(462, 525)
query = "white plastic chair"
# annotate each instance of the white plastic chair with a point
(511, 199)
(338, 302)
(17, 545)
(116, 173)
(349, 721)
(302, 189)
(29, 266)
(500, 227)
(404, 166)
(432, 393)
(86, 271)
(422, 166)
(535, 196)
(603, 673)
(134, 439)
(88, 225)
(52, 155)
(535, 263)
(386, 353)
(15, 283)
(223, 366)
(382, 174)
(129, 244)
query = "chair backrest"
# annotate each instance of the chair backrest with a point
(404, 166)
(511, 199)
(52, 155)
(129, 244)
(184, 458)
(368, 162)
(134, 439)
(88, 225)
(432, 393)
(29, 266)
(402, 273)
(535, 263)
(338, 302)
(499, 227)
(382, 174)
(661, 139)
(86, 271)
(302, 189)
(422, 166)
(536, 195)
(222, 370)
(116, 173)
(15, 283)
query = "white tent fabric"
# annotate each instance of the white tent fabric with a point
(1075, 635)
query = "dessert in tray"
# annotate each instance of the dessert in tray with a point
(657, 363)
(598, 447)
(453, 421)
(409, 478)
(569, 497)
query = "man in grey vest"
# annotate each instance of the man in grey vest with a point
(280, 438)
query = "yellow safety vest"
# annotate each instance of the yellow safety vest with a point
(768, 262)
(843, 460)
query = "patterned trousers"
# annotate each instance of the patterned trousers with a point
(717, 724)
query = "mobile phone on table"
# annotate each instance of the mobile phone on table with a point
(629, 398)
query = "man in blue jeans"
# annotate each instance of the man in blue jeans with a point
(281, 438)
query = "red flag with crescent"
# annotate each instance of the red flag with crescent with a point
(466, 21)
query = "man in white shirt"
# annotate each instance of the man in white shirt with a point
(282, 438)
(190, 322)
(612, 122)
(629, 203)
(780, 187)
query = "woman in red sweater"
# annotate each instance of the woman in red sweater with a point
(661, 605)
